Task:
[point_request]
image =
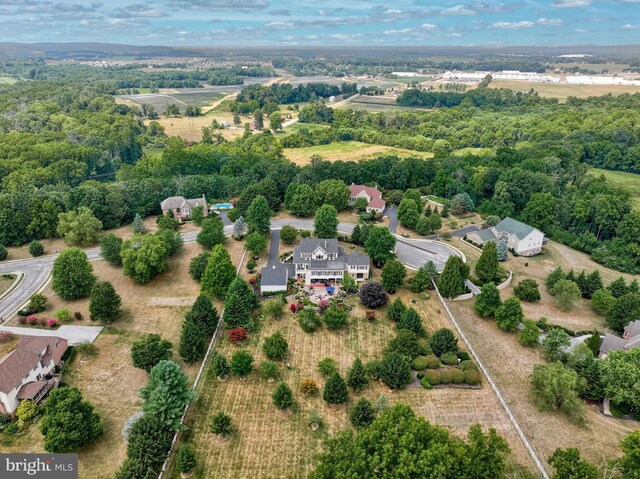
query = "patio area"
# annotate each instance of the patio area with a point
(320, 292)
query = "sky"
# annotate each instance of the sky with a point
(322, 22)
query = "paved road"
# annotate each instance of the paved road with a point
(413, 253)
(73, 334)
(393, 218)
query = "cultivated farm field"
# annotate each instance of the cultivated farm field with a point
(562, 91)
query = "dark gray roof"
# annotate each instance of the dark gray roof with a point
(612, 343)
(486, 235)
(356, 258)
(275, 275)
(309, 245)
(514, 227)
(633, 329)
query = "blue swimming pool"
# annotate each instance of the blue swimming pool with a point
(222, 206)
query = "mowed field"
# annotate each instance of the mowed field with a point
(108, 379)
(347, 151)
(562, 90)
(201, 98)
(376, 104)
(511, 364)
(270, 444)
(631, 181)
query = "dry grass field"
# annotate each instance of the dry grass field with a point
(108, 380)
(563, 90)
(271, 444)
(6, 281)
(347, 151)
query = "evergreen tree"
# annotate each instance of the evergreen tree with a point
(275, 347)
(138, 226)
(204, 315)
(240, 228)
(192, 342)
(110, 247)
(239, 303)
(423, 277)
(335, 390)
(509, 315)
(241, 363)
(395, 371)
(105, 303)
(220, 365)
(218, 274)
(443, 341)
(36, 248)
(393, 274)
(185, 459)
(362, 413)
(356, 376)
(149, 351)
(451, 281)
(72, 274)
(411, 320)
(553, 277)
(221, 424)
(618, 287)
(198, 264)
(502, 249)
(282, 396)
(487, 267)
(259, 216)
(148, 444)
(488, 301)
(625, 310)
(325, 222)
(3, 252)
(395, 310)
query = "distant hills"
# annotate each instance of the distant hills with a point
(96, 51)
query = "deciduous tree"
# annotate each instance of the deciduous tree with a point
(72, 274)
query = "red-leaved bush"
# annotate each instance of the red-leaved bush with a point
(32, 320)
(52, 323)
(323, 304)
(252, 280)
(293, 308)
(22, 320)
(238, 334)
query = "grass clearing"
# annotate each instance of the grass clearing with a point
(108, 380)
(376, 104)
(270, 444)
(562, 91)
(347, 151)
(7, 80)
(630, 181)
(6, 281)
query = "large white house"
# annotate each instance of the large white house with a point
(324, 261)
(26, 373)
(522, 239)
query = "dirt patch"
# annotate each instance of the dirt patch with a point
(171, 302)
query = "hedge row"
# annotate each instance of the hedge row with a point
(452, 376)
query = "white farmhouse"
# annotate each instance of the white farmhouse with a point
(26, 373)
(522, 239)
(324, 261)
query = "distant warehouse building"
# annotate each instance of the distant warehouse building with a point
(522, 239)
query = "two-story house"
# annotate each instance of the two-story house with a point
(181, 208)
(521, 238)
(27, 371)
(372, 195)
(324, 261)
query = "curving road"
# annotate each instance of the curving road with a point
(37, 271)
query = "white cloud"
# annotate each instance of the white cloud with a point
(549, 21)
(459, 10)
(514, 25)
(629, 26)
(572, 3)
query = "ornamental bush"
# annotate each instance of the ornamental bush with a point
(282, 396)
(269, 370)
(221, 424)
(432, 376)
(446, 376)
(36, 248)
(373, 295)
(449, 358)
(527, 290)
(335, 317)
(309, 321)
(433, 362)
(472, 377)
(308, 387)
(327, 367)
(457, 376)
(242, 363)
(419, 363)
(335, 390)
(220, 365)
(275, 347)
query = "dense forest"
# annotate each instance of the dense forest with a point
(64, 145)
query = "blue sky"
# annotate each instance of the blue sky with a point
(322, 22)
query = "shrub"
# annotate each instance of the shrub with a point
(308, 387)
(425, 383)
(457, 376)
(362, 413)
(36, 248)
(221, 424)
(527, 290)
(420, 375)
(443, 341)
(251, 264)
(432, 362)
(3, 252)
(468, 366)
(219, 365)
(373, 295)
(446, 376)
(602, 301)
(288, 234)
(63, 315)
(432, 376)
(37, 303)
(275, 347)
(462, 355)
(472, 377)
(78, 316)
(371, 316)
(566, 293)
(395, 310)
(242, 363)
(269, 370)
(530, 333)
(419, 363)
(282, 396)
(186, 459)
(52, 323)
(335, 317)
(309, 321)
(32, 320)
(198, 264)
(373, 367)
(238, 334)
(327, 367)
(449, 358)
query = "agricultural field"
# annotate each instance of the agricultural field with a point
(106, 377)
(376, 104)
(200, 97)
(347, 150)
(563, 90)
(631, 181)
(252, 450)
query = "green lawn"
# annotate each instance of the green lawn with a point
(347, 150)
(296, 127)
(7, 80)
(630, 181)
